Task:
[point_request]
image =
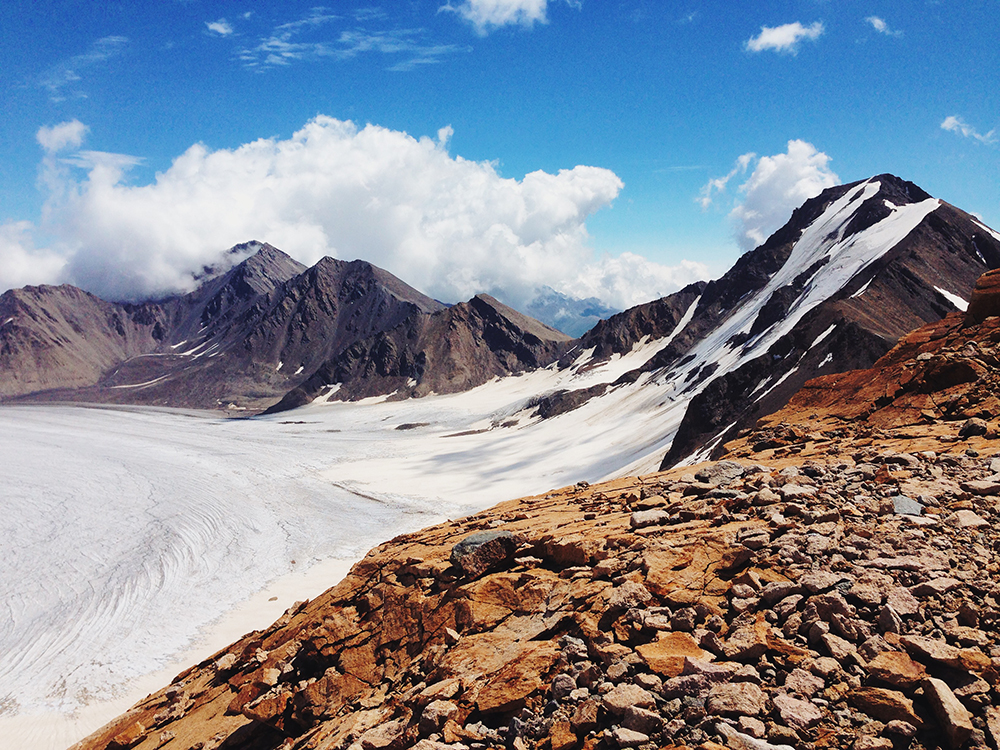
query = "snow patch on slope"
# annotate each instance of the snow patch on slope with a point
(953, 298)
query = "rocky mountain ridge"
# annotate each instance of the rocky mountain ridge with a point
(831, 588)
(265, 329)
(853, 270)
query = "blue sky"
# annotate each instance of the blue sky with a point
(660, 139)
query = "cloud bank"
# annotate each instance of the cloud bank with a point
(784, 38)
(777, 186)
(449, 226)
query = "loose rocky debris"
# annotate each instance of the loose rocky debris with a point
(841, 591)
(739, 606)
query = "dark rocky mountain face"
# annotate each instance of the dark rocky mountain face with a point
(63, 337)
(853, 270)
(920, 279)
(266, 328)
(451, 350)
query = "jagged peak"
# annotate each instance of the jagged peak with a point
(483, 301)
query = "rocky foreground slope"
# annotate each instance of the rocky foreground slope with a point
(832, 588)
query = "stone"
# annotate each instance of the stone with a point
(935, 587)
(736, 740)
(993, 723)
(483, 552)
(434, 715)
(804, 683)
(953, 717)
(643, 518)
(900, 728)
(561, 736)
(867, 742)
(628, 737)
(983, 487)
(627, 695)
(667, 653)
(935, 650)
(905, 506)
(584, 718)
(562, 686)
(837, 647)
(889, 621)
(798, 714)
(973, 427)
(642, 720)
(630, 594)
(128, 737)
(793, 492)
(897, 669)
(966, 519)
(384, 735)
(885, 705)
(902, 601)
(821, 580)
(753, 727)
(747, 642)
(720, 473)
(778, 590)
(736, 699)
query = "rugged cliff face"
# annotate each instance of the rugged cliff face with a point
(450, 350)
(834, 588)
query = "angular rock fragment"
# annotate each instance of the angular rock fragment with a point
(954, 718)
(483, 552)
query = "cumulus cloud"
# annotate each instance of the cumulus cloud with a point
(64, 135)
(777, 186)
(222, 27)
(881, 26)
(449, 226)
(21, 263)
(955, 124)
(486, 14)
(784, 38)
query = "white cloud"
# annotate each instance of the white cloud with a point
(449, 226)
(784, 38)
(64, 135)
(777, 186)
(297, 41)
(61, 79)
(718, 184)
(955, 124)
(881, 26)
(484, 14)
(631, 279)
(222, 27)
(21, 263)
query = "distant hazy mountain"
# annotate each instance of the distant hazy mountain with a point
(568, 314)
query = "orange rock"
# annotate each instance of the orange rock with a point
(665, 655)
(507, 689)
(897, 668)
(132, 734)
(985, 300)
(561, 736)
(885, 705)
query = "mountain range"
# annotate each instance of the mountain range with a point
(851, 271)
